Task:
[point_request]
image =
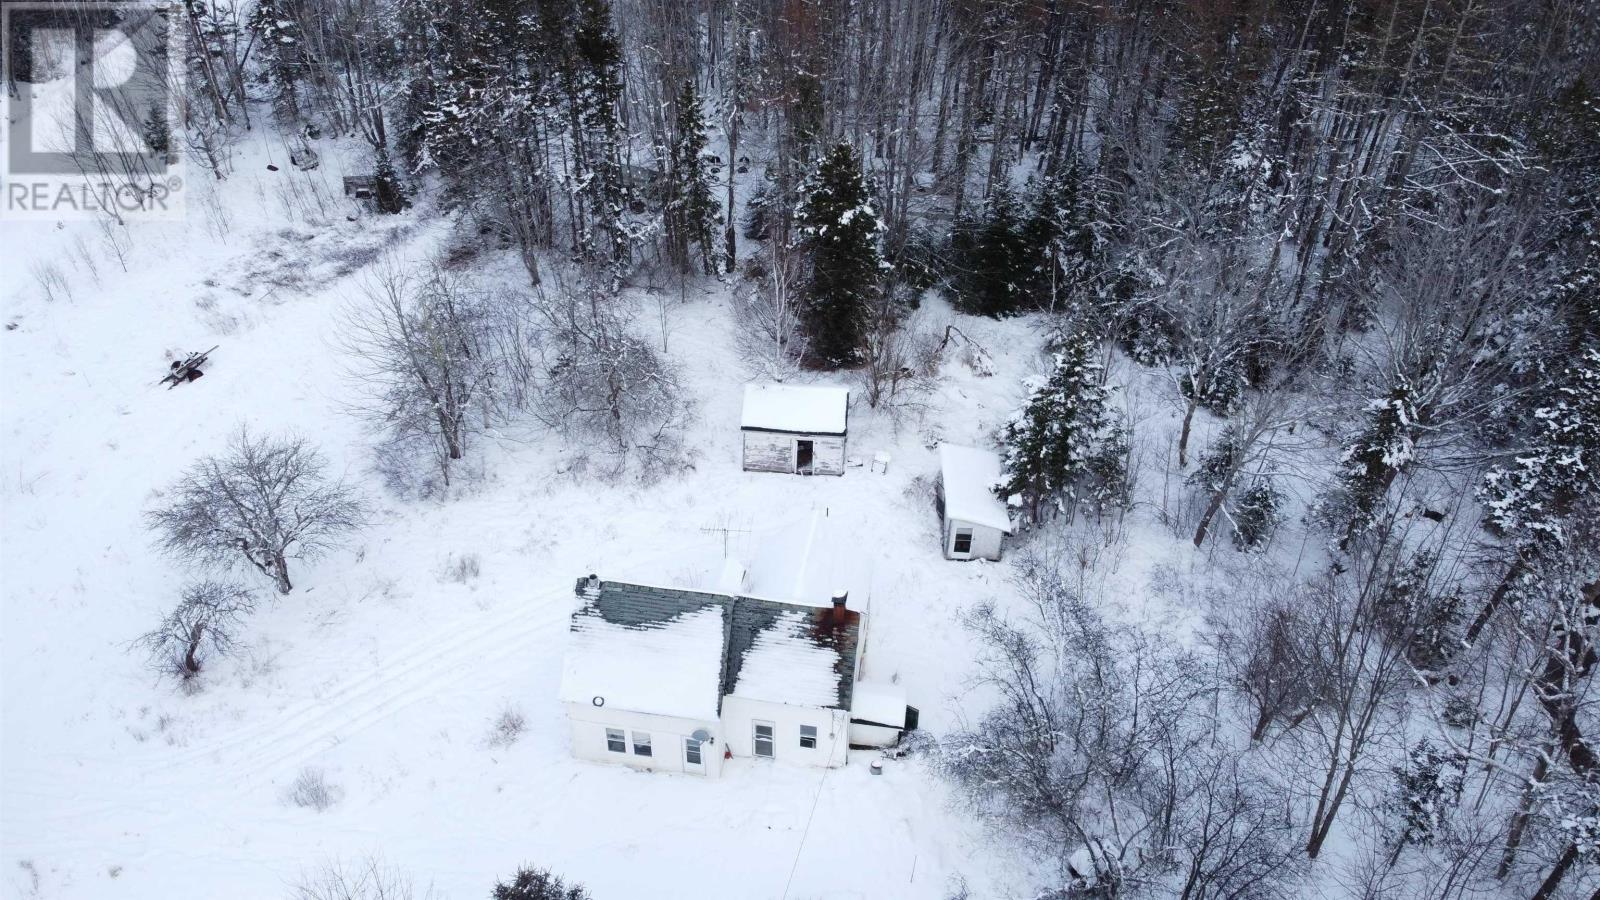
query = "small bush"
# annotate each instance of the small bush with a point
(538, 884)
(507, 728)
(312, 791)
(462, 569)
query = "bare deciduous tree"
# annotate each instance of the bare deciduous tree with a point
(264, 502)
(369, 878)
(595, 378)
(435, 358)
(204, 624)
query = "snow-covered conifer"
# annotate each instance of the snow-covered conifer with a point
(1061, 430)
(841, 230)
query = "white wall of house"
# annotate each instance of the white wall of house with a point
(777, 451)
(985, 540)
(740, 715)
(667, 736)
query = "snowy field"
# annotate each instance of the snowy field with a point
(383, 669)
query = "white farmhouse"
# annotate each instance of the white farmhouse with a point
(795, 428)
(975, 520)
(674, 680)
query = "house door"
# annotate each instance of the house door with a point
(804, 456)
(694, 760)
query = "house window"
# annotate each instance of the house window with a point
(963, 542)
(808, 737)
(764, 741)
(641, 743)
(615, 741)
(691, 751)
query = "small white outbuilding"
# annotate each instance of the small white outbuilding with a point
(799, 429)
(975, 520)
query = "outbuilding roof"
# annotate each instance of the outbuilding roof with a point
(805, 409)
(677, 653)
(968, 476)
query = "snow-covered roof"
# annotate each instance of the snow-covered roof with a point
(809, 560)
(678, 653)
(969, 475)
(879, 703)
(671, 667)
(786, 665)
(808, 409)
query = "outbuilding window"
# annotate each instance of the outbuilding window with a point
(763, 740)
(615, 742)
(641, 743)
(963, 542)
(808, 737)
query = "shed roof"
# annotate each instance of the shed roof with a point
(675, 652)
(806, 409)
(969, 476)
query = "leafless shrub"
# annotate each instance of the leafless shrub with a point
(507, 728)
(462, 569)
(264, 502)
(52, 282)
(902, 365)
(204, 624)
(311, 790)
(366, 879)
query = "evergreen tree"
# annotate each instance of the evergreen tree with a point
(157, 134)
(595, 93)
(390, 190)
(994, 268)
(276, 26)
(1372, 459)
(840, 228)
(692, 214)
(1528, 497)
(1062, 433)
(1257, 515)
(1427, 785)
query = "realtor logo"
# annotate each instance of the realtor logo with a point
(88, 124)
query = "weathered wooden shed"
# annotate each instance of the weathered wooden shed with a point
(975, 520)
(798, 429)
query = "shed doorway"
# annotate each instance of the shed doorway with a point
(805, 454)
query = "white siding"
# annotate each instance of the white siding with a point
(873, 735)
(985, 541)
(774, 451)
(739, 716)
(667, 733)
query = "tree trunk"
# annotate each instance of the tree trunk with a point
(1212, 509)
(1553, 880)
(1183, 434)
(280, 573)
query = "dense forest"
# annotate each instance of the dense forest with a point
(1361, 235)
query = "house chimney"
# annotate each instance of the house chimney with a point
(587, 585)
(840, 596)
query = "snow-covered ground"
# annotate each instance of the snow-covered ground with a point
(383, 669)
